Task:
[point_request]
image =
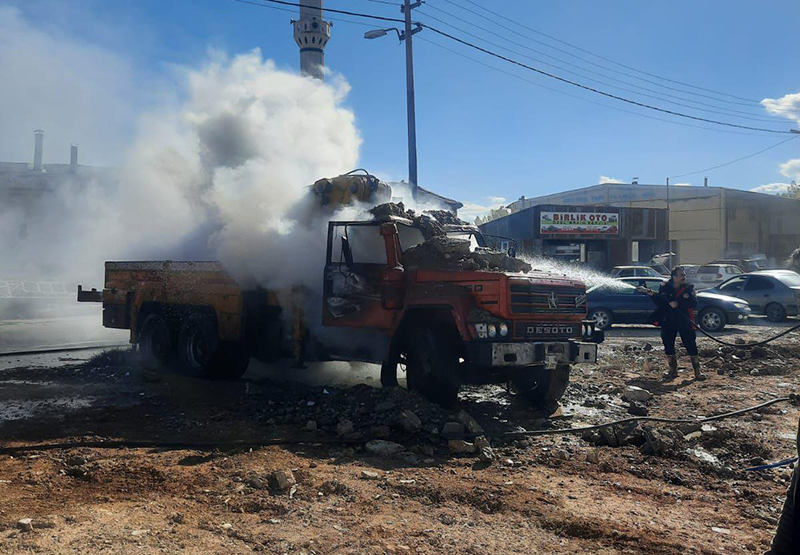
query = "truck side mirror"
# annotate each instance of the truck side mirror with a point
(347, 252)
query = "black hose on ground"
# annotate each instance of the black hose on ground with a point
(747, 345)
(791, 398)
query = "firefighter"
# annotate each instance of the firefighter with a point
(676, 301)
(787, 536)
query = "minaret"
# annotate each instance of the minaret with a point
(311, 34)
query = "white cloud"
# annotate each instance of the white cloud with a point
(771, 188)
(75, 91)
(683, 184)
(786, 106)
(791, 169)
(472, 210)
(606, 179)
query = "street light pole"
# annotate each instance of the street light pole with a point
(406, 35)
(411, 111)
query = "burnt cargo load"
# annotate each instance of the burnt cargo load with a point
(413, 292)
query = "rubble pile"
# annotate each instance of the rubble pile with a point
(759, 360)
(447, 253)
(440, 252)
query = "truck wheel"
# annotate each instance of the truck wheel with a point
(432, 366)
(230, 362)
(197, 345)
(775, 312)
(712, 319)
(155, 341)
(389, 374)
(540, 387)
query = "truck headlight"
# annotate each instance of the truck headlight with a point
(503, 330)
(492, 330)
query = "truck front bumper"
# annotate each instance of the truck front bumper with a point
(549, 353)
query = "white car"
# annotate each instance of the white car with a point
(634, 271)
(711, 275)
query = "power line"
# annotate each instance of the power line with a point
(331, 10)
(589, 101)
(597, 91)
(749, 101)
(737, 160)
(756, 117)
(727, 111)
(287, 10)
(530, 68)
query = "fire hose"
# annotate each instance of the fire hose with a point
(746, 345)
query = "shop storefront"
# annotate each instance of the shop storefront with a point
(597, 236)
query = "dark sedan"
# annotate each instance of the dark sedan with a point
(774, 293)
(623, 304)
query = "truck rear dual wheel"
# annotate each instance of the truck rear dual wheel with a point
(540, 387)
(156, 342)
(432, 366)
(202, 355)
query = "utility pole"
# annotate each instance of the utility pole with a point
(412, 116)
(669, 229)
(406, 35)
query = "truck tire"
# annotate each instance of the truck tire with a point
(389, 374)
(156, 345)
(230, 362)
(197, 345)
(541, 388)
(432, 366)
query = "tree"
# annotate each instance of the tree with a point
(792, 192)
(493, 214)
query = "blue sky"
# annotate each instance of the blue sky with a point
(483, 134)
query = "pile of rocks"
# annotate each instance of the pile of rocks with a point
(441, 252)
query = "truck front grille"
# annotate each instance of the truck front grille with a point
(535, 299)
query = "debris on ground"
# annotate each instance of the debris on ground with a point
(368, 470)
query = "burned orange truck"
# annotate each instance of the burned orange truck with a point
(435, 304)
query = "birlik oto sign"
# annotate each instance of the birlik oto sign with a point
(579, 223)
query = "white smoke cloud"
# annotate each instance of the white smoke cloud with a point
(75, 91)
(216, 173)
(787, 106)
(235, 158)
(606, 179)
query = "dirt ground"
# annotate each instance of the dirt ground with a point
(194, 473)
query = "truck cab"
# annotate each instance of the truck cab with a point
(448, 327)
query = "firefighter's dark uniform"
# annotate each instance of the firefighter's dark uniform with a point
(677, 321)
(787, 536)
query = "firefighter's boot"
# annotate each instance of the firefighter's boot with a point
(698, 373)
(673, 368)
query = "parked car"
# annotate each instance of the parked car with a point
(710, 275)
(774, 293)
(610, 305)
(744, 264)
(691, 271)
(634, 271)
